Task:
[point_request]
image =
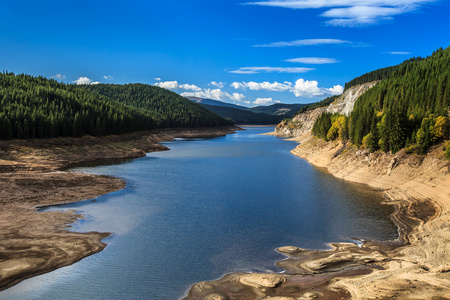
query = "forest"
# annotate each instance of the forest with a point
(37, 107)
(408, 109)
(379, 74)
(167, 108)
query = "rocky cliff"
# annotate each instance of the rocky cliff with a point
(304, 122)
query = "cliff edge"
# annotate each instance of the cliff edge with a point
(303, 123)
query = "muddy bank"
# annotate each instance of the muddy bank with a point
(416, 266)
(34, 243)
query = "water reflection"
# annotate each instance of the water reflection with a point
(203, 209)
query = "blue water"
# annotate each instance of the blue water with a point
(205, 208)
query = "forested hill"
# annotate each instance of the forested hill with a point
(408, 109)
(168, 109)
(36, 107)
(379, 74)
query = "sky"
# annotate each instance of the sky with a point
(250, 53)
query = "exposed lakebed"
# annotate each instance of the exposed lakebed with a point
(206, 208)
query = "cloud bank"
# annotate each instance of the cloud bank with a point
(350, 13)
(398, 53)
(218, 84)
(265, 101)
(174, 85)
(313, 60)
(256, 70)
(301, 88)
(217, 94)
(305, 42)
(85, 80)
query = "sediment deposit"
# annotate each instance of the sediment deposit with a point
(33, 242)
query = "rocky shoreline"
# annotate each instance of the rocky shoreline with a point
(35, 243)
(416, 266)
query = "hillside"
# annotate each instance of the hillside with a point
(244, 117)
(279, 109)
(215, 103)
(379, 74)
(407, 109)
(305, 119)
(168, 109)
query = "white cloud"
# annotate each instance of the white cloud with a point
(174, 85)
(170, 85)
(351, 12)
(263, 86)
(59, 76)
(311, 89)
(398, 53)
(306, 42)
(218, 84)
(256, 70)
(84, 80)
(216, 94)
(157, 79)
(313, 60)
(108, 77)
(307, 89)
(336, 90)
(189, 87)
(301, 88)
(265, 101)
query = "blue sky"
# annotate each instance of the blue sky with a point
(244, 52)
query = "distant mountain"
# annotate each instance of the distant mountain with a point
(216, 103)
(244, 117)
(259, 115)
(279, 109)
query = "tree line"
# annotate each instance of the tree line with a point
(379, 74)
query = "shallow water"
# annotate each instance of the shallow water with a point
(206, 208)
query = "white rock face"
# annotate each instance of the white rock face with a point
(343, 105)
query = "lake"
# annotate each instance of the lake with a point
(203, 209)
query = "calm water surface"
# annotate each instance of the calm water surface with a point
(206, 208)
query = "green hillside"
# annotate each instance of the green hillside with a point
(36, 107)
(409, 108)
(379, 74)
(168, 109)
(244, 117)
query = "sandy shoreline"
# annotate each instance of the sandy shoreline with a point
(33, 243)
(416, 266)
